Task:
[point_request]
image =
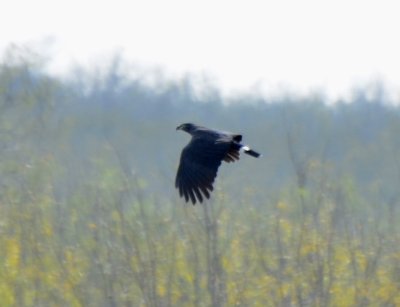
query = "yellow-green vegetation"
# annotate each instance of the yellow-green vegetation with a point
(89, 215)
(108, 244)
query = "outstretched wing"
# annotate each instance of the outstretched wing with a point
(198, 167)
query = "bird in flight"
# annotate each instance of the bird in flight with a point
(201, 158)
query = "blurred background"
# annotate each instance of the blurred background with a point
(90, 96)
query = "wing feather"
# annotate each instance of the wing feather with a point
(198, 167)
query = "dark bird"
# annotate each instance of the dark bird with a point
(201, 158)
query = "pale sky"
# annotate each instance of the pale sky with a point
(266, 46)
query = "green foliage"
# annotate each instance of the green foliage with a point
(89, 216)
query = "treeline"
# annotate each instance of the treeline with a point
(89, 215)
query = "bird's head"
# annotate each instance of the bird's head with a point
(187, 127)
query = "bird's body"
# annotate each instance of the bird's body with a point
(201, 158)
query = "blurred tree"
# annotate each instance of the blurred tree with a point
(89, 215)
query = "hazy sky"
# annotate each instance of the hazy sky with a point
(304, 45)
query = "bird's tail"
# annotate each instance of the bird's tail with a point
(250, 152)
